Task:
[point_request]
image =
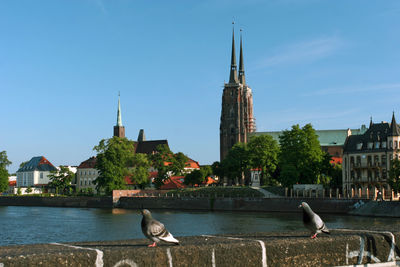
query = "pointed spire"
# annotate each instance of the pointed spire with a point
(242, 79)
(370, 122)
(233, 78)
(119, 118)
(394, 129)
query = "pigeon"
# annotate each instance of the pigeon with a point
(312, 221)
(155, 231)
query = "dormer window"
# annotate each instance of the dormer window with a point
(383, 144)
(370, 144)
(376, 145)
(359, 146)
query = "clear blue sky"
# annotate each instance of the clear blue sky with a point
(330, 63)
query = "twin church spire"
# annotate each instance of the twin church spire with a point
(233, 77)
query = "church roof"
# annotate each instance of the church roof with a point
(37, 164)
(326, 137)
(149, 147)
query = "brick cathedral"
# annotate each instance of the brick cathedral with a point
(237, 119)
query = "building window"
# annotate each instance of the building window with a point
(395, 144)
(391, 144)
(383, 158)
(369, 161)
(358, 161)
(376, 144)
(41, 175)
(359, 146)
(370, 144)
(376, 160)
(383, 144)
(384, 174)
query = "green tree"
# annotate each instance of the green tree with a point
(61, 179)
(218, 170)
(195, 177)
(167, 163)
(394, 175)
(206, 170)
(139, 173)
(301, 156)
(236, 163)
(114, 156)
(263, 153)
(28, 190)
(4, 162)
(23, 164)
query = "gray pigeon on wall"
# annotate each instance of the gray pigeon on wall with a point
(312, 221)
(154, 230)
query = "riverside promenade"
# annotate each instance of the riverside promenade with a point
(341, 248)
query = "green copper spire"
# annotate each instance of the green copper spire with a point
(233, 78)
(119, 118)
(242, 79)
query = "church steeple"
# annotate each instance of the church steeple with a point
(242, 79)
(394, 129)
(119, 129)
(233, 77)
(119, 118)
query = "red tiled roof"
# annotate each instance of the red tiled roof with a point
(209, 180)
(12, 183)
(173, 183)
(192, 164)
(88, 164)
(336, 160)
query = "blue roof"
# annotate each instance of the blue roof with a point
(37, 164)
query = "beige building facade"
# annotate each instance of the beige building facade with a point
(367, 157)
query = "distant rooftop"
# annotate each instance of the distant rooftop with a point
(335, 137)
(38, 164)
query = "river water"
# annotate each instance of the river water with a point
(27, 225)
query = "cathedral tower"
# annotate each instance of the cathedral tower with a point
(237, 119)
(119, 130)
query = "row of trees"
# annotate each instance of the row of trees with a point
(297, 159)
(116, 159)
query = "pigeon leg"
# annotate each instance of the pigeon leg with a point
(314, 236)
(152, 245)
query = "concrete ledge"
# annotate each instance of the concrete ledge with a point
(341, 248)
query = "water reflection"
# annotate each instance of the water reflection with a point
(23, 225)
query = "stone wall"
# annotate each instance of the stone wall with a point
(239, 204)
(89, 202)
(341, 248)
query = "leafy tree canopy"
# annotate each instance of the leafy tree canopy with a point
(195, 177)
(167, 163)
(394, 175)
(61, 179)
(263, 153)
(4, 162)
(114, 156)
(301, 156)
(236, 162)
(139, 173)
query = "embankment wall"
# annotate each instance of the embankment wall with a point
(341, 248)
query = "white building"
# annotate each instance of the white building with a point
(86, 174)
(35, 172)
